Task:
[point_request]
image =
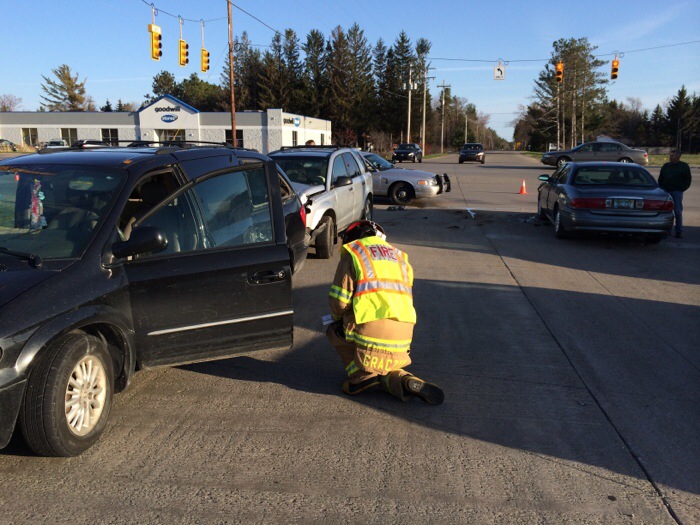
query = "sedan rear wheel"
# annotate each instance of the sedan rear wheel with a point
(562, 160)
(68, 396)
(541, 215)
(625, 159)
(559, 230)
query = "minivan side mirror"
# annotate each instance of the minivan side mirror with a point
(342, 181)
(544, 178)
(143, 239)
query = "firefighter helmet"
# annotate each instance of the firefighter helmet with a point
(360, 229)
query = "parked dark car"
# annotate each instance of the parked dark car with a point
(596, 151)
(7, 145)
(407, 151)
(610, 197)
(118, 259)
(472, 152)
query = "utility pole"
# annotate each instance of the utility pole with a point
(442, 132)
(410, 90)
(466, 125)
(425, 96)
(230, 75)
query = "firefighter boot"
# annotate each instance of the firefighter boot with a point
(392, 383)
(352, 389)
(428, 392)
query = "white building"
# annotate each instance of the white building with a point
(167, 119)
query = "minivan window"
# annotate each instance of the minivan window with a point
(53, 211)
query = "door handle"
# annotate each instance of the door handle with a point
(269, 276)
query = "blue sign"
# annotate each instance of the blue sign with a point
(297, 121)
(168, 118)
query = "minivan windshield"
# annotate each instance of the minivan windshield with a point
(309, 170)
(53, 210)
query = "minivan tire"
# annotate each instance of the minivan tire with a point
(74, 380)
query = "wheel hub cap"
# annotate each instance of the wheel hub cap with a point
(85, 395)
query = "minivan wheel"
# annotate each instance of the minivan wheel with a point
(324, 242)
(68, 396)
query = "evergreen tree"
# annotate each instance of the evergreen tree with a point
(66, 93)
(107, 107)
(338, 65)
(314, 79)
(293, 71)
(361, 82)
(274, 92)
(679, 115)
(246, 76)
(379, 66)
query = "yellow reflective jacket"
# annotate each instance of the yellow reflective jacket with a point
(384, 287)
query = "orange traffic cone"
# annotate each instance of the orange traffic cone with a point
(523, 189)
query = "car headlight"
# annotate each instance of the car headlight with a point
(428, 182)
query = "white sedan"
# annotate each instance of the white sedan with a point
(403, 185)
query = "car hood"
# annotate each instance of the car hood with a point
(407, 173)
(306, 191)
(15, 282)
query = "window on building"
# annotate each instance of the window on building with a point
(170, 135)
(295, 138)
(29, 136)
(239, 138)
(70, 135)
(110, 136)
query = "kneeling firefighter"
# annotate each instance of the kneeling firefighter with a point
(371, 302)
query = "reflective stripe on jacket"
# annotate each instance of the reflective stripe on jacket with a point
(384, 287)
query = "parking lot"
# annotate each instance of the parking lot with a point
(570, 369)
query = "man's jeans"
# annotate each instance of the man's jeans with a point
(678, 210)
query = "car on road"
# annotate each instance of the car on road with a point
(55, 143)
(7, 145)
(336, 186)
(596, 151)
(402, 185)
(610, 197)
(472, 151)
(123, 258)
(407, 151)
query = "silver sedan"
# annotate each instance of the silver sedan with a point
(403, 185)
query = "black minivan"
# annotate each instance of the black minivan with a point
(121, 258)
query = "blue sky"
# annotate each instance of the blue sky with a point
(107, 42)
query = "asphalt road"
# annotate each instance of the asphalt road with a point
(570, 368)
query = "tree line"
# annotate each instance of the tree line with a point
(578, 110)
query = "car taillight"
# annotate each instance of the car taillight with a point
(579, 202)
(658, 205)
(646, 155)
(302, 214)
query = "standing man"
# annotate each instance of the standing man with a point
(675, 179)
(371, 302)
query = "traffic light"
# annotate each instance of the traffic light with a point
(205, 61)
(156, 44)
(614, 69)
(560, 72)
(184, 53)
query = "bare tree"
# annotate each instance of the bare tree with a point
(10, 103)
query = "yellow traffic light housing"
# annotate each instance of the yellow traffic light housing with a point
(205, 61)
(614, 69)
(184, 53)
(156, 42)
(559, 76)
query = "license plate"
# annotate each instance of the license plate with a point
(624, 204)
